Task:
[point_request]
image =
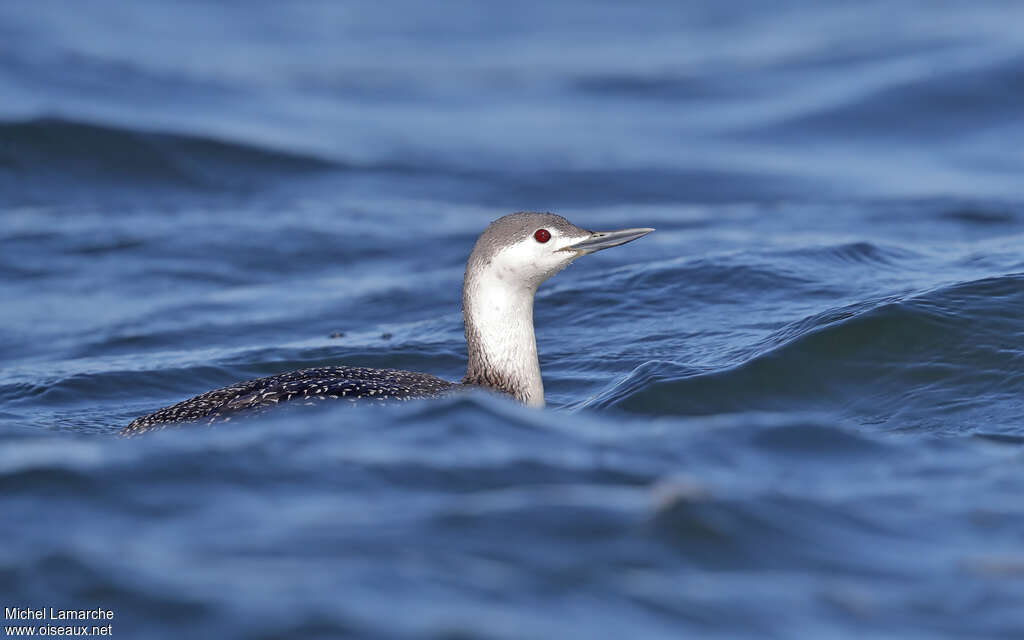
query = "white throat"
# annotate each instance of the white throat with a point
(498, 313)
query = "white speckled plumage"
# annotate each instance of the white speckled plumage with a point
(503, 272)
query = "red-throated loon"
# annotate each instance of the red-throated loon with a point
(513, 256)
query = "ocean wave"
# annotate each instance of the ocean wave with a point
(983, 215)
(926, 108)
(952, 349)
(53, 154)
(58, 151)
(864, 253)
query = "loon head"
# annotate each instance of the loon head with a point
(510, 260)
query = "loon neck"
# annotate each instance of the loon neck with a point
(497, 310)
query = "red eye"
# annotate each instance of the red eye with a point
(542, 235)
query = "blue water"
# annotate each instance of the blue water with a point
(793, 411)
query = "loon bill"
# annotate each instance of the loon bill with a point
(510, 260)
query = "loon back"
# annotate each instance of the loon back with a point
(308, 386)
(513, 257)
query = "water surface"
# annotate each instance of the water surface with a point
(793, 411)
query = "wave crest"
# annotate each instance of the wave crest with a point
(55, 150)
(951, 349)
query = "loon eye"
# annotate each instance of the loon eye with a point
(542, 235)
